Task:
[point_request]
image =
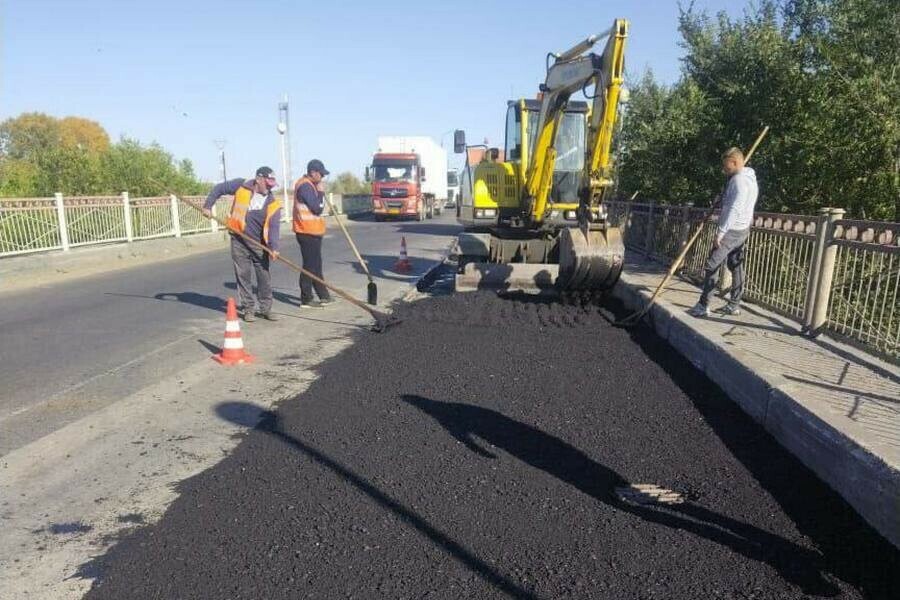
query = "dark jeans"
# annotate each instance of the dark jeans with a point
(731, 250)
(311, 253)
(247, 260)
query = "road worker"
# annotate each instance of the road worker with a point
(731, 234)
(309, 229)
(255, 212)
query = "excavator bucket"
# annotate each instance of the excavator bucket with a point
(589, 261)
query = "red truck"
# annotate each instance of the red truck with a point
(409, 178)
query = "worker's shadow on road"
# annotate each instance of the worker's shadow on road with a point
(202, 300)
(251, 416)
(466, 422)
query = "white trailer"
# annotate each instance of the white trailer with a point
(432, 158)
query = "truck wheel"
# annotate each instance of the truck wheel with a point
(430, 213)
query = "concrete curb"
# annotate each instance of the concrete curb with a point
(859, 475)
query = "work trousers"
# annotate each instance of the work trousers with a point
(247, 260)
(730, 251)
(311, 253)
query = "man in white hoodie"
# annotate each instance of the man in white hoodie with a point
(731, 234)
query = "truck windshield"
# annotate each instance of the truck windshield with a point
(393, 171)
(452, 179)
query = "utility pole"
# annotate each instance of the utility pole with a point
(284, 129)
(220, 144)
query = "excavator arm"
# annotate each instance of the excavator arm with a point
(573, 70)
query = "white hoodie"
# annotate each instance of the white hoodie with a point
(739, 201)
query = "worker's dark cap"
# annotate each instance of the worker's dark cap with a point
(265, 172)
(316, 165)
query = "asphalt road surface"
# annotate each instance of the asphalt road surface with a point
(480, 450)
(72, 348)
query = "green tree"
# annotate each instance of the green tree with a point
(821, 73)
(41, 155)
(146, 171)
(347, 183)
(29, 134)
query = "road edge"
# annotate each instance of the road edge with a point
(862, 478)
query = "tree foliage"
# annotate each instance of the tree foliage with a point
(348, 183)
(821, 73)
(41, 155)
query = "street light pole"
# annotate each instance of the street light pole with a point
(220, 144)
(285, 132)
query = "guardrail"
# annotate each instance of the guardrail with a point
(30, 225)
(39, 224)
(827, 272)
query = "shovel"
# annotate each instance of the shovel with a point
(372, 289)
(382, 320)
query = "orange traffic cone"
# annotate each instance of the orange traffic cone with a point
(233, 350)
(403, 265)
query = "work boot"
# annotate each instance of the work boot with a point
(249, 315)
(699, 310)
(269, 316)
(731, 309)
(311, 304)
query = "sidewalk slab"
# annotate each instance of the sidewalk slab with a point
(836, 408)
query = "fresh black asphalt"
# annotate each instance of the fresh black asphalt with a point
(474, 451)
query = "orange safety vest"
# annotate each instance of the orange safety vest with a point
(305, 220)
(241, 204)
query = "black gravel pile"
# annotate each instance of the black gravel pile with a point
(474, 451)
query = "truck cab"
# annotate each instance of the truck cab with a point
(396, 186)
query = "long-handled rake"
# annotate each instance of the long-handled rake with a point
(635, 317)
(382, 320)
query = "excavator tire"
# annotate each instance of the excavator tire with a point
(591, 262)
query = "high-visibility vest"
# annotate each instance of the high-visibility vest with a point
(305, 220)
(237, 220)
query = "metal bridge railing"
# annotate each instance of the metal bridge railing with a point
(825, 271)
(39, 224)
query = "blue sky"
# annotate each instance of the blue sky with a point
(186, 73)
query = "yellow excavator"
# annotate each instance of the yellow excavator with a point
(535, 220)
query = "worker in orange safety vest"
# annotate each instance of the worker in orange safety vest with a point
(256, 213)
(309, 229)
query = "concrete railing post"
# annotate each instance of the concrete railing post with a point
(126, 207)
(648, 240)
(213, 224)
(825, 277)
(815, 265)
(626, 222)
(176, 224)
(61, 218)
(685, 232)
